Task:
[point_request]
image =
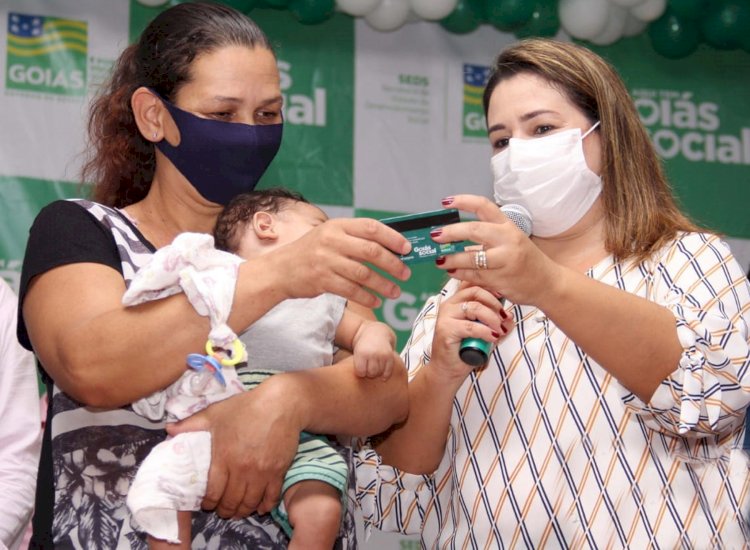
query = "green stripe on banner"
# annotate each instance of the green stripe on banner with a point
(22, 198)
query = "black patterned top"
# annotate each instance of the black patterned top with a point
(90, 456)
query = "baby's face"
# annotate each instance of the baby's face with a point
(296, 220)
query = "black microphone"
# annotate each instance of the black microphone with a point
(475, 351)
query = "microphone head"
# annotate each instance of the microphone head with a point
(519, 216)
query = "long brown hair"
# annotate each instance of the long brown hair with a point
(121, 162)
(640, 211)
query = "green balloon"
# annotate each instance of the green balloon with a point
(691, 9)
(673, 36)
(275, 4)
(726, 24)
(509, 15)
(544, 20)
(241, 5)
(312, 12)
(465, 17)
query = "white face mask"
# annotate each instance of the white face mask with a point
(549, 177)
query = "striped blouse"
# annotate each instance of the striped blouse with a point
(548, 450)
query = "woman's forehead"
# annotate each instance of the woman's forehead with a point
(233, 70)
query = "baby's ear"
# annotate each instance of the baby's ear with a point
(264, 225)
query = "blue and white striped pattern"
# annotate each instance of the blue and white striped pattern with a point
(548, 450)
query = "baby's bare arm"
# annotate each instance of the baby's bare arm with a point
(372, 343)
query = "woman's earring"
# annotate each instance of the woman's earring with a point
(154, 136)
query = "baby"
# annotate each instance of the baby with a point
(300, 334)
(260, 221)
(295, 335)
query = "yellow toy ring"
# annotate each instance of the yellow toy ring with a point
(237, 351)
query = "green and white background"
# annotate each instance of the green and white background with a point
(376, 123)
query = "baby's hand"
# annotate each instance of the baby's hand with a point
(374, 355)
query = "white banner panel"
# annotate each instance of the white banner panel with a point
(45, 101)
(413, 143)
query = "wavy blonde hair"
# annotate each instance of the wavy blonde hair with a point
(641, 213)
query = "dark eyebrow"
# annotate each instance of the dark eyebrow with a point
(272, 100)
(524, 118)
(236, 100)
(226, 99)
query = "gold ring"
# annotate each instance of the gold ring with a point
(480, 259)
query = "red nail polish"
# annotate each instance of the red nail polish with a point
(447, 201)
(503, 314)
(495, 334)
(436, 232)
(451, 271)
(440, 260)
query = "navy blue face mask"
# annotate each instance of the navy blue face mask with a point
(220, 159)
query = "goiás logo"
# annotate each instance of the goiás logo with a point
(475, 77)
(46, 54)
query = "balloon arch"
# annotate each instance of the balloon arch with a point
(675, 27)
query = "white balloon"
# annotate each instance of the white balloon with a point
(152, 3)
(389, 15)
(433, 9)
(615, 25)
(649, 10)
(634, 26)
(627, 3)
(413, 17)
(584, 19)
(357, 8)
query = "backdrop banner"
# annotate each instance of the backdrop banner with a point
(699, 120)
(376, 124)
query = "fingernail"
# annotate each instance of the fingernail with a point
(447, 201)
(495, 334)
(451, 271)
(436, 232)
(504, 329)
(503, 314)
(440, 260)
